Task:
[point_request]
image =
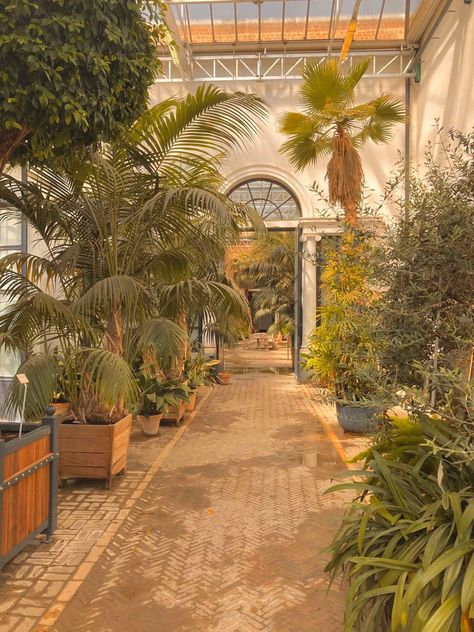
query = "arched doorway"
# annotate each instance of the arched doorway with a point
(279, 208)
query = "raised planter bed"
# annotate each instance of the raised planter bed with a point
(94, 451)
(28, 485)
(175, 413)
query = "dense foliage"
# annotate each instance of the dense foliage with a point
(343, 352)
(72, 73)
(427, 268)
(406, 544)
(129, 245)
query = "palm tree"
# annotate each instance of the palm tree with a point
(332, 125)
(269, 266)
(129, 239)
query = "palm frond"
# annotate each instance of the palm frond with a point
(41, 371)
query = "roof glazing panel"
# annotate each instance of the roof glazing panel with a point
(241, 21)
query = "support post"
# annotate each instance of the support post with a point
(53, 422)
(2, 477)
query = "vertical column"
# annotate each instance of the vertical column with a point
(2, 477)
(52, 421)
(309, 287)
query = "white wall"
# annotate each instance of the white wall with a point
(446, 90)
(264, 159)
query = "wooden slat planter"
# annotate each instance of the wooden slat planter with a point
(28, 486)
(90, 451)
(175, 413)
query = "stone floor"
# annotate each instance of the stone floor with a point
(228, 536)
(225, 535)
(246, 357)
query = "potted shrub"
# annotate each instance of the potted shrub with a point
(344, 348)
(178, 391)
(157, 397)
(198, 372)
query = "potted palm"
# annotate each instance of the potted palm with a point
(116, 273)
(178, 392)
(156, 398)
(198, 372)
(345, 347)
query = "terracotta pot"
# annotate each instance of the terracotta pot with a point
(94, 451)
(192, 401)
(150, 424)
(61, 408)
(225, 377)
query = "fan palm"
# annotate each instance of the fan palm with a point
(125, 238)
(332, 125)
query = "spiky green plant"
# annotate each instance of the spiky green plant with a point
(406, 544)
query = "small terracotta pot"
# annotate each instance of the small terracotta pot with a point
(62, 408)
(192, 402)
(150, 424)
(225, 377)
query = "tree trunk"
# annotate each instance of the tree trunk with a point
(9, 141)
(178, 365)
(351, 215)
(115, 335)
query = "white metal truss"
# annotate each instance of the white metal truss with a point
(272, 66)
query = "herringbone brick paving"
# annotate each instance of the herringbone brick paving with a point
(228, 536)
(33, 580)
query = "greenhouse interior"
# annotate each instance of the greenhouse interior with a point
(237, 316)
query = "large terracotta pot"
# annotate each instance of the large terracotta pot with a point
(94, 451)
(150, 424)
(225, 377)
(192, 402)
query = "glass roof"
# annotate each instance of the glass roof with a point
(245, 21)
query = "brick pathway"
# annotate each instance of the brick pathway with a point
(31, 583)
(227, 537)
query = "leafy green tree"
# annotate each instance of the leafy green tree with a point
(331, 124)
(126, 236)
(427, 269)
(72, 73)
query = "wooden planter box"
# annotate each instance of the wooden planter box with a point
(90, 451)
(175, 413)
(28, 486)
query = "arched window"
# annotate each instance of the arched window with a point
(272, 200)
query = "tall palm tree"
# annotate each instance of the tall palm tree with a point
(129, 240)
(331, 124)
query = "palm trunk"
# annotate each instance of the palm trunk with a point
(115, 336)
(178, 365)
